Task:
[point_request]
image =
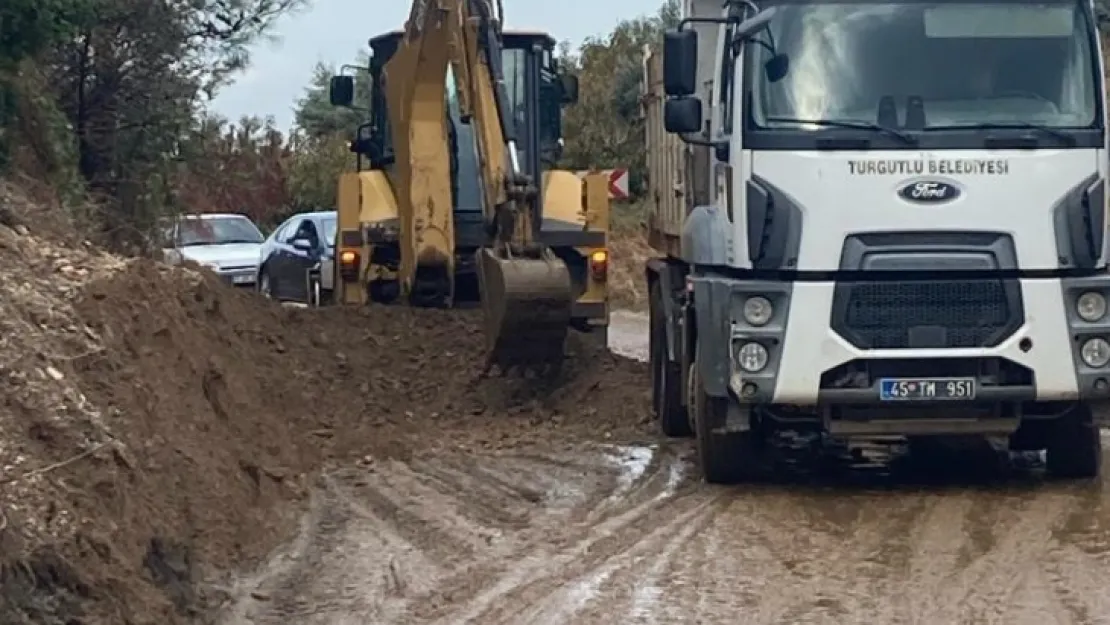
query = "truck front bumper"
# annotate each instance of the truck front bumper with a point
(810, 363)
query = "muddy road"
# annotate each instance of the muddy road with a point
(603, 533)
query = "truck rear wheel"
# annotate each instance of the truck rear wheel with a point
(666, 376)
(725, 458)
(1074, 449)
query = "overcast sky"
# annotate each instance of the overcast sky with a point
(334, 31)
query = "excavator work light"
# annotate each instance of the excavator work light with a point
(348, 264)
(599, 265)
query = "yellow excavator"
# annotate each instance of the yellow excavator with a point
(457, 193)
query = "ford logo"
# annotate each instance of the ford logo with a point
(929, 192)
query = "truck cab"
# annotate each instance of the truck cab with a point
(899, 227)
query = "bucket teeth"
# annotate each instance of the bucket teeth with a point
(527, 305)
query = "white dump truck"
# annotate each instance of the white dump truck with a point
(879, 218)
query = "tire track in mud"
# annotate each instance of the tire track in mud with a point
(632, 534)
(600, 534)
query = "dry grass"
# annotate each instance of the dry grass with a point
(630, 251)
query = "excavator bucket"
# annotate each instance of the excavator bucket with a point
(527, 304)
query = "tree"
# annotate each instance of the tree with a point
(317, 163)
(314, 114)
(605, 128)
(127, 80)
(241, 167)
(320, 153)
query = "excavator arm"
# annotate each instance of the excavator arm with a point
(525, 289)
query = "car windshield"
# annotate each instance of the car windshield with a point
(330, 226)
(951, 64)
(217, 231)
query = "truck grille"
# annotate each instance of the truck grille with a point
(927, 314)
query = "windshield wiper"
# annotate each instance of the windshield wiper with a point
(1064, 138)
(233, 241)
(856, 125)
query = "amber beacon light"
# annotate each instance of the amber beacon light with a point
(599, 264)
(348, 264)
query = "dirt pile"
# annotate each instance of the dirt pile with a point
(154, 419)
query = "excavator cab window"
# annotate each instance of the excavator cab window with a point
(550, 110)
(535, 98)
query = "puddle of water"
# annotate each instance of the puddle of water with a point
(628, 334)
(633, 462)
(587, 589)
(676, 473)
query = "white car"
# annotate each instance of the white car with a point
(227, 243)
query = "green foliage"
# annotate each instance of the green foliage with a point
(319, 145)
(605, 129)
(111, 94)
(316, 117)
(315, 168)
(28, 27)
(110, 90)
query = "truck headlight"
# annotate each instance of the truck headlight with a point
(1091, 306)
(752, 357)
(1095, 353)
(758, 311)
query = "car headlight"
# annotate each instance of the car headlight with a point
(1091, 306)
(212, 266)
(758, 310)
(1095, 353)
(752, 357)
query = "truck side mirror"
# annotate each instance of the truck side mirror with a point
(568, 84)
(682, 115)
(777, 67)
(341, 90)
(680, 62)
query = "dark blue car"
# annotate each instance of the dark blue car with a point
(296, 263)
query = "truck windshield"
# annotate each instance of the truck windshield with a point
(968, 64)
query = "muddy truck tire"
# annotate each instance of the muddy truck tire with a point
(1074, 448)
(666, 376)
(724, 458)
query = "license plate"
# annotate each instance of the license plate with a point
(926, 389)
(241, 279)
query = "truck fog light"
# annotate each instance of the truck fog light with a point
(758, 310)
(1091, 306)
(752, 357)
(1095, 353)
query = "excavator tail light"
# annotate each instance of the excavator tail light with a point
(348, 265)
(599, 265)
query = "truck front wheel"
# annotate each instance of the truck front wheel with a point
(725, 458)
(1074, 449)
(666, 376)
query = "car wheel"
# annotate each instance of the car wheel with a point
(264, 287)
(666, 376)
(724, 458)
